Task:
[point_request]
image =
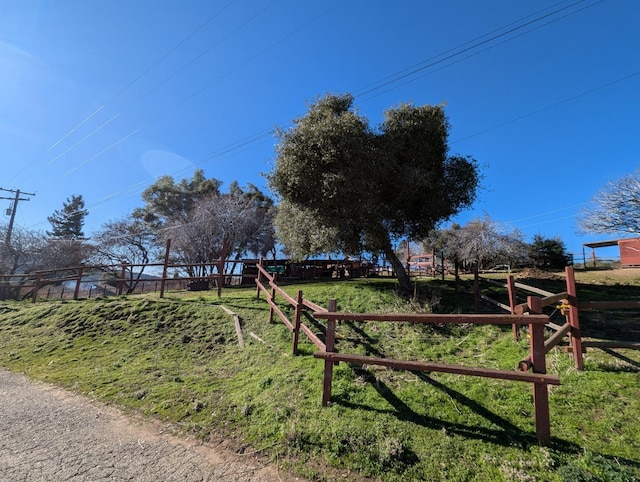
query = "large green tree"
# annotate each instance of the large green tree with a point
(168, 200)
(373, 186)
(302, 233)
(67, 223)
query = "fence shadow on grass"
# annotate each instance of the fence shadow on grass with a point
(633, 365)
(508, 434)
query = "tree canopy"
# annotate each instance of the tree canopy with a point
(167, 200)
(372, 185)
(67, 223)
(548, 253)
(615, 209)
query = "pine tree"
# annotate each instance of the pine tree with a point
(67, 222)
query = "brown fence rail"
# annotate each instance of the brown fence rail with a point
(539, 378)
(266, 283)
(569, 305)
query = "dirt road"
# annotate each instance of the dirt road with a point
(47, 434)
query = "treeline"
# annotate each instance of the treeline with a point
(344, 187)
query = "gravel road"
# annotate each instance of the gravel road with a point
(47, 434)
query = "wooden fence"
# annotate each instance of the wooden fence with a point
(569, 305)
(267, 284)
(30, 285)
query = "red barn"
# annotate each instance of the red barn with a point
(629, 252)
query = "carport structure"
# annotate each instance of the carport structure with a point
(629, 251)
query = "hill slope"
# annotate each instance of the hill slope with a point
(178, 359)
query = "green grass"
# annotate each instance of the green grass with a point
(178, 359)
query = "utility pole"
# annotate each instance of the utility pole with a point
(14, 208)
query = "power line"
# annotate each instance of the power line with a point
(203, 53)
(164, 81)
(255, 138)
(372, 89)
(550, 106)
(410, 75)
(238, 144)
(118, 94)
(264, 134)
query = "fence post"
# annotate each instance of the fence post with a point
(476, 286)
(220, 279)
(36, 288)
(165, 268)
(330, 340)
(78, 281)
(540, 390)
(296, 322)
(272, 297)
(123, 272)
(575, 337)
(513, 301)
(258, 280)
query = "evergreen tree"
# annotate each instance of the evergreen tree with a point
(548, 253)
(67, 223)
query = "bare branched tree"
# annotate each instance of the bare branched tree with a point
(32, 251)
(615, 209)
(222, 227)
(484, 241)
(129, 241)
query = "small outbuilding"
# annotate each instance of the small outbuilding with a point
(629, 251)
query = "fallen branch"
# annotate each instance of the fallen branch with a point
(253, 335)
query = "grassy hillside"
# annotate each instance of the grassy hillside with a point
(178, 359)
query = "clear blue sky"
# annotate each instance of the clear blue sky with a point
(101, 97)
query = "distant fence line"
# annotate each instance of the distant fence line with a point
(118, 279)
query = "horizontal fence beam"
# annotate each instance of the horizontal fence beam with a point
(314, 307)
(436, 319)
(313, 337)
(495, 303)
(283, 293)
(441, 367)
(603, 305)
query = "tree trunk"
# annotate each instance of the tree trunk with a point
(403, 278)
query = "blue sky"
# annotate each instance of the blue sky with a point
(101, 97)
